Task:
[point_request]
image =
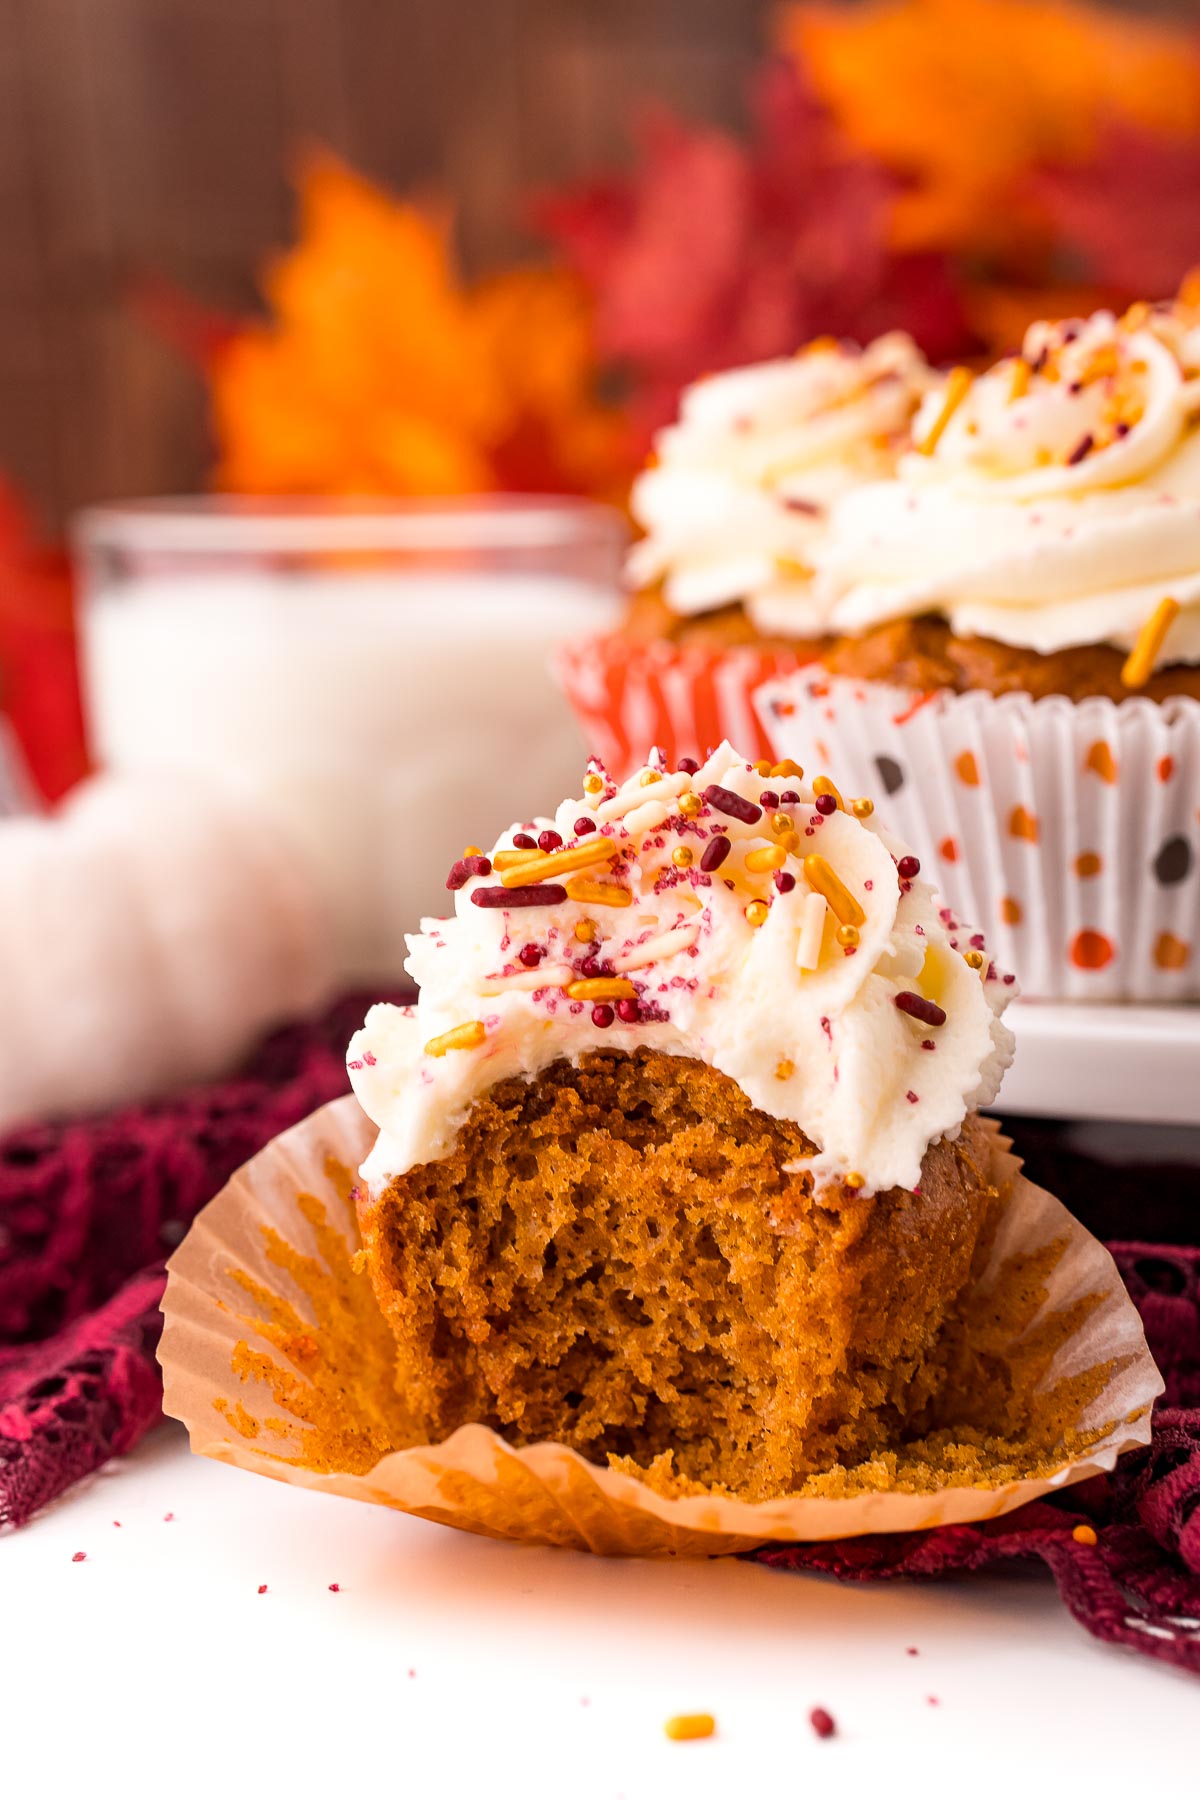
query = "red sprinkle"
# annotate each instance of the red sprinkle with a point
(825, 805)
(531, 955)
(769, 800)
(549, 840)
(335, 1587)
(789, 797)
(784, 881)
(715, 852)
(457, 877)
(1081, 449)
(523, 841)
(583, 826)
(167, 1518)
(262, 1587)
(628, 1011)
(546, 893)
(687, 765)
(822, 1722)
(908, 868)
(724, 800)
(602, 1015)
(917, 1007)
(79, 1556)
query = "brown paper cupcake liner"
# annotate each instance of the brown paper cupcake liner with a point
(1067, 832)
(629, 697)
(276, 1358)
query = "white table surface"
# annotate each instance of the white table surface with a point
(449, 1665)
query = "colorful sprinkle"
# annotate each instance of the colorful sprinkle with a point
(1084, 1534)
(824, 788)
(602, 987)
(917, 1007)
(460, 1037)
(715, 852)
(681, 856)
(1139, 664)
(563, 862)
(590, 893)
(724, 800)
(762, 861)
(908, 868)
(958, 386)
(826, 882)
(822, 1722)
(826, 805)
(862, 808)
(757, 913)
(690, 1725)
(547, 893)
(602, 1016)
(784, 880)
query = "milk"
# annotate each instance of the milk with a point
(386, 716)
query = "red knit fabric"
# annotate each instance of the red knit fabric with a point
(88, 1210)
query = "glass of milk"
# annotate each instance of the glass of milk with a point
(377, 674)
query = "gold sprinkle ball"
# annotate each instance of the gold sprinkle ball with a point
(785, 1068)
(854, 1181)
(690, 1725)
(593, 784)
(650, 776)
(689, 805)
(1084, 1534)
(790, 841)
(862, 809)
(847, 936)
(585, 931)
(756, 912)
(781, 823)
(973, 959)
(681, 856)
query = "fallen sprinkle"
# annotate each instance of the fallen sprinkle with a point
(262, 1587)
(822, 1722)
(168, 1518)
(690, 1725)
(335, 1587)
(912, 1651)
(79, 1556)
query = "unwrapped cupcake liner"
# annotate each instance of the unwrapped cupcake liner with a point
(1065, 831)
(629, 697)
(277, 1359)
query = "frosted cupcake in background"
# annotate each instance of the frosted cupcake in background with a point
(1011, 649)
(733, 511)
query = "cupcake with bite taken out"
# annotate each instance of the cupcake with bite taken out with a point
(679, 1161)
(732, 510)
(1010, 652)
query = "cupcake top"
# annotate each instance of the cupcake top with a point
(1052, 502)
(732, 913)
(740, 491)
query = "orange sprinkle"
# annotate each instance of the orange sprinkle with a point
(1083, 1534)
(598, 893)
(967, 768)
(771, 856)
(1091, 950)
(826, 882)
(593, 784)
(1023, 824)
(461, 1037)
(854, 1181)
(862, 809)
(1171, 952)
(958, 386)
(690, 1725)
(1189, 288)
(585, 931)
(554, 863)
(1101, 761)
(1018, 381)
(823, 785)
(785, 1068)
(601, 987)
(974, 959)
(512, 859)
(472, 850)
(1010, 910)
(788, 767)
(1139, 664)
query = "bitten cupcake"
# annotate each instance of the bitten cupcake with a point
(1012, 651)
(679, 1162)
(733, 507)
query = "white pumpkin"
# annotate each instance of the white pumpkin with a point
(150, 931)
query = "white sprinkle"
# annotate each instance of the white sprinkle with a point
(635, 795)
(647, 818)
(657, 949)
(543, 976)
(812, 930)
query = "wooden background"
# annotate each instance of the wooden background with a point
(155, 134)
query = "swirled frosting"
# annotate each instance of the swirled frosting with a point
(1057, 504)
(740, 491)
(728, 914)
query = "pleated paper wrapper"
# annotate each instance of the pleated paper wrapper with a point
(629, 697)
(1065, 831)
(274, 1351)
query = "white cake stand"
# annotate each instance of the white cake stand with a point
(1140, 1064)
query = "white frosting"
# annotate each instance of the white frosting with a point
(826, 1046)
(740, 493)
(1045, 518)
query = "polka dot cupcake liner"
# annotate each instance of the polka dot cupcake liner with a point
(628, 697)
(1068, 832)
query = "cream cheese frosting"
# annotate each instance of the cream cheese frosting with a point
(1057, 502)
(741, 488)
(730, 913)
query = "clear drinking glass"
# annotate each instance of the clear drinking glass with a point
(376, 674)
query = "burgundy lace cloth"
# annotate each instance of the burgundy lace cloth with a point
(89, 1210)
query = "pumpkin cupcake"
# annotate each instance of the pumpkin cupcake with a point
(1010, 651)
(679, 1162)
(733, 508)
